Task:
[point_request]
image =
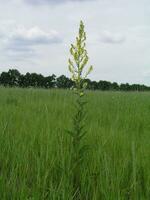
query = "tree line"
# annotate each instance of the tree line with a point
(13, 78)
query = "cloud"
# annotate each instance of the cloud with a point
(140, 31)
(18, 39)
(108, 37)
(40, 2)
(33, 36)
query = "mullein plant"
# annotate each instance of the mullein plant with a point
(77, 67)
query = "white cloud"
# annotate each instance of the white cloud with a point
(140, 31)
(18, 39)
(108, 37)
(40, 2)
(33, 36)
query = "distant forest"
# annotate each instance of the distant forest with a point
(13, 78)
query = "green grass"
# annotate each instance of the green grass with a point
(34, 147)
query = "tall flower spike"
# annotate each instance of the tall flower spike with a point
(79, 61)
(77, 68)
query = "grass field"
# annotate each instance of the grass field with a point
(34, 147)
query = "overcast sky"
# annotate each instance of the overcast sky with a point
(35, 36)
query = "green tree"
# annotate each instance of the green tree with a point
(64, 82)
(10, 78)
(49, 81)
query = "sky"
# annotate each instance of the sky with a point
(35, 36)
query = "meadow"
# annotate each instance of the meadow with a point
(34, 146)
